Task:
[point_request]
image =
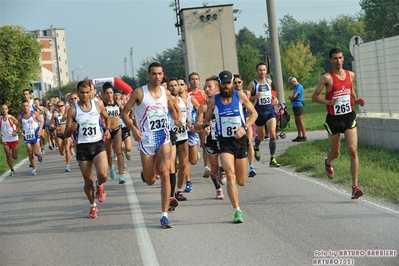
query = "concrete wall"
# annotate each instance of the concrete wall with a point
(209, 45)
(378, 131)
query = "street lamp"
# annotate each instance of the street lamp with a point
(80, 74)
(73, 78)
(131, 60)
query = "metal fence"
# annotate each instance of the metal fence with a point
(376, 67)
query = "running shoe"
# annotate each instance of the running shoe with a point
(121, 179)
(173, 203)
(67, 168)
(43, 152)
(179, 196)
(189, 187)
(101, 195)
(257, 154)
(125, 169)
(34, 171)
(165, 223)
(252, 172)
(73, 153)
(274, 163)
(112, 173)
(328, 169)
(40, 158)
(12, 173)
(93, 212)
(115, 157)
(303, 139)
(51, 147)
(219, 193)
(56, 148)
(238, 217)
(207, 172)
(356, 192)
(222, 176)
(128, 155)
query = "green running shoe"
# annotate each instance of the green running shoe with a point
(274, 163)
(257, 154)
(238, 217)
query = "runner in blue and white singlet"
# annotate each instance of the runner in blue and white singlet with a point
(151, 117)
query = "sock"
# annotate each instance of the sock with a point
(164, 214)
(93, 205)
(251, 167)
(257, 143)
(236, 209)
(325, 162)
(179, 190)
(98, 185)
(215, 182)
(172, 178)
(272, 145)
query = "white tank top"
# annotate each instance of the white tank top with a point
(29, 125)
(181, 132)
(90, 128)
(152, 113)
(7, 128)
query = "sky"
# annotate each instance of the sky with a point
(100, 34)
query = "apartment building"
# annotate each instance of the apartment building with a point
(53, 60)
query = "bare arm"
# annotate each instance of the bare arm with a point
(253, 115)
(71, 126)
(104, 114)
(325, 82)
(200, 117)
(135, 98)
(356, 100)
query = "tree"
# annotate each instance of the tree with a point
(248, 57)
(172, 61)
(381, 18)
(19, 64)
(297, 60)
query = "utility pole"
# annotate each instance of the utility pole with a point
(131, 60)
(276, 61)
(125, 67)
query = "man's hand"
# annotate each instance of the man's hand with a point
(359, 101)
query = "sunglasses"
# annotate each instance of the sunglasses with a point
(60, 105)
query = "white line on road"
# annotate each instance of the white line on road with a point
(338, 190)
(146, 248)
(15, 168)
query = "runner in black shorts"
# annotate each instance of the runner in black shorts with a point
(338, 124)
(87, 151)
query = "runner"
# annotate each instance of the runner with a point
(9, 136)
(84, 117)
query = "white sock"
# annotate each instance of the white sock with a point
(93, 205)
(164, 214)
(236, 209)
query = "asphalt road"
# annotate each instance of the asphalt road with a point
(289, 219)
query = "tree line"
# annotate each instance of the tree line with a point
(304, 47)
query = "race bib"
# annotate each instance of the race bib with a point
(156, 120)
(112, 110)
(266, 98)
(229, 125)
(30, 134)
(343, 105)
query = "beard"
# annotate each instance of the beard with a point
(226, 93)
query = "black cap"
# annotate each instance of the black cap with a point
(225, 76)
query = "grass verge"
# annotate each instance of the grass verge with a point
(22, 154)
(378, 171)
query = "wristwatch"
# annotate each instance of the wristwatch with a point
(245, 127)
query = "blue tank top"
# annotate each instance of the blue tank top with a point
(229, 117)
(263, 105)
